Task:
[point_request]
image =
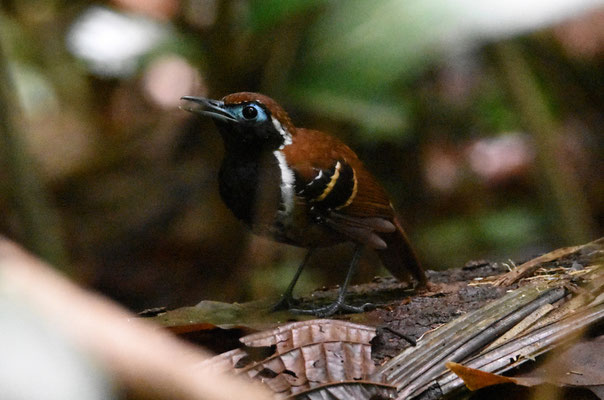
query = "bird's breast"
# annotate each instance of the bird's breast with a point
(260, 191)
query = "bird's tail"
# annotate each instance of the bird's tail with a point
(399, 257)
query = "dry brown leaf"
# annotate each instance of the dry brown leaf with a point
(581, 365)
(313, 365)
(312, 360)
(476, 379)
(226, 362)
(296, 334)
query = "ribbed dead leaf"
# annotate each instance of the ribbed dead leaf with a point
(313, 365)
(296, 334)
(229, 361)
(312, 360)
(476, 379)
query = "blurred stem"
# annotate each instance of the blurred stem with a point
(38, 221)
(282, 56)
(573, 222)
(229, 45)
(43, 21)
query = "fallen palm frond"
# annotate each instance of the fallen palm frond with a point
(545, 312)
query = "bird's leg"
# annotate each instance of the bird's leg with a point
(287, 299)
(339, 304)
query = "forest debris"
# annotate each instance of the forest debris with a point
(417, 366)
(311, 359)
(485, 327)
(525, 348)
(581, 365)
(522, 325)
(530, 266)
(347, 391)
(415, 370)
(218, 325)
(254, 315)
(297, 334)
(311, 365)
(475, 379)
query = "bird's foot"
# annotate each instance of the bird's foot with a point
(336, 307)
(286, 302)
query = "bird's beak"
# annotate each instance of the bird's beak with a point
(208, 107)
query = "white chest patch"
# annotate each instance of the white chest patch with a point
(287, 137)
(287, 183)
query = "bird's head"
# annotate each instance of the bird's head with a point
(247, 121)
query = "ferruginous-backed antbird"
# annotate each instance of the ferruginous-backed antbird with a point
(303, 187)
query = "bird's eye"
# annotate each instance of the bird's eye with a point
(249, 112)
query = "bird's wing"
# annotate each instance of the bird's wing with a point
(336, 186)
(331, 179)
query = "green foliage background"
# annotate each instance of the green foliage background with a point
(121, 191)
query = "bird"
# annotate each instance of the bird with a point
(305, 188)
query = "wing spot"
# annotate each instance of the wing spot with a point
(331, 184)
(354, 191)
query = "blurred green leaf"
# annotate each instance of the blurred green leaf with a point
(449, 241)
(268, 13)
(509, 227)
(498, 232)
(366, 46)
(379, 118)
(492, 110)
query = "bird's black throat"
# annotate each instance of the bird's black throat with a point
(240, 137)
(250, 186)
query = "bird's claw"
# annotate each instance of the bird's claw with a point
(284, 303)
(334, 308)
